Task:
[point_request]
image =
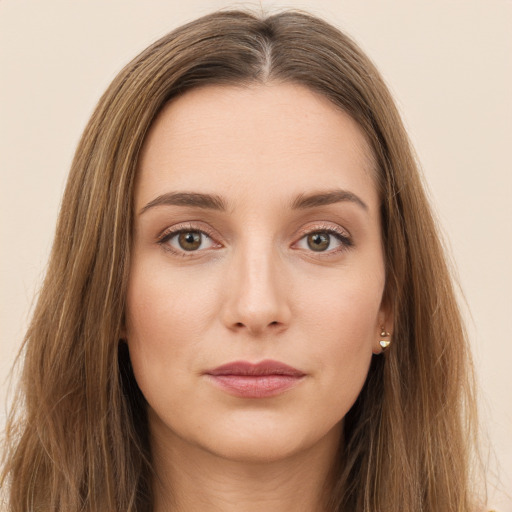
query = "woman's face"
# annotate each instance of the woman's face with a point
(254, 300)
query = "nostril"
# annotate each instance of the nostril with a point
(275, 323)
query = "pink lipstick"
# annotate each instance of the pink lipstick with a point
(261, 380)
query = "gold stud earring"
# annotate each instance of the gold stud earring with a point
(384, 344)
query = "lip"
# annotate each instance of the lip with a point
(255, 380)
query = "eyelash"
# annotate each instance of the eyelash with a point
(341, 235)
(170, 233)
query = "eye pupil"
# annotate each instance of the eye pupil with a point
(189, 240)
(318, 241)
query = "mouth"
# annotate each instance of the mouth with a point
(261, 380)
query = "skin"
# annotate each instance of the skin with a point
(254, 289)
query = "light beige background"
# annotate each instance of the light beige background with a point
(449, 64)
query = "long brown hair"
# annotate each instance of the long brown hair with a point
(77, 436)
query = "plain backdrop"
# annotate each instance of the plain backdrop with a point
(448, 64)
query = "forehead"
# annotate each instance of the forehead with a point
(239, 139)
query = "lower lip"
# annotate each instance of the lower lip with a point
(255, 386)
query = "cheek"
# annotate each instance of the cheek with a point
(342, 328)
(346, 306)
(168, 315)
(162, 305)
(152, 323)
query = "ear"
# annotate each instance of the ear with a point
(123, 334)
(385, 321)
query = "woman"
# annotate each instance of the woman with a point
(243, 234)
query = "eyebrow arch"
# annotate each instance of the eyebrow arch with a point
(195, 199)
(313, 200)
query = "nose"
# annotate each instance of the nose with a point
(257, 294)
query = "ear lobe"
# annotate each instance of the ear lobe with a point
(385, 326)
(383, 341)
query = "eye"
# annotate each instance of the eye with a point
(328, 240)
(188, 240)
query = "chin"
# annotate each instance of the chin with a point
(262, 442)
(261, 449)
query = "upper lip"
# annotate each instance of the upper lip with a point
(267, 367)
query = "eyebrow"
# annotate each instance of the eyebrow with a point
(325, 198)
(195, 199)
(215, 202)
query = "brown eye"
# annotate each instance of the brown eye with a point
(328, 241)
(318, 241)
(190, 240)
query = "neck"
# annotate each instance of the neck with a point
(192, 479)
